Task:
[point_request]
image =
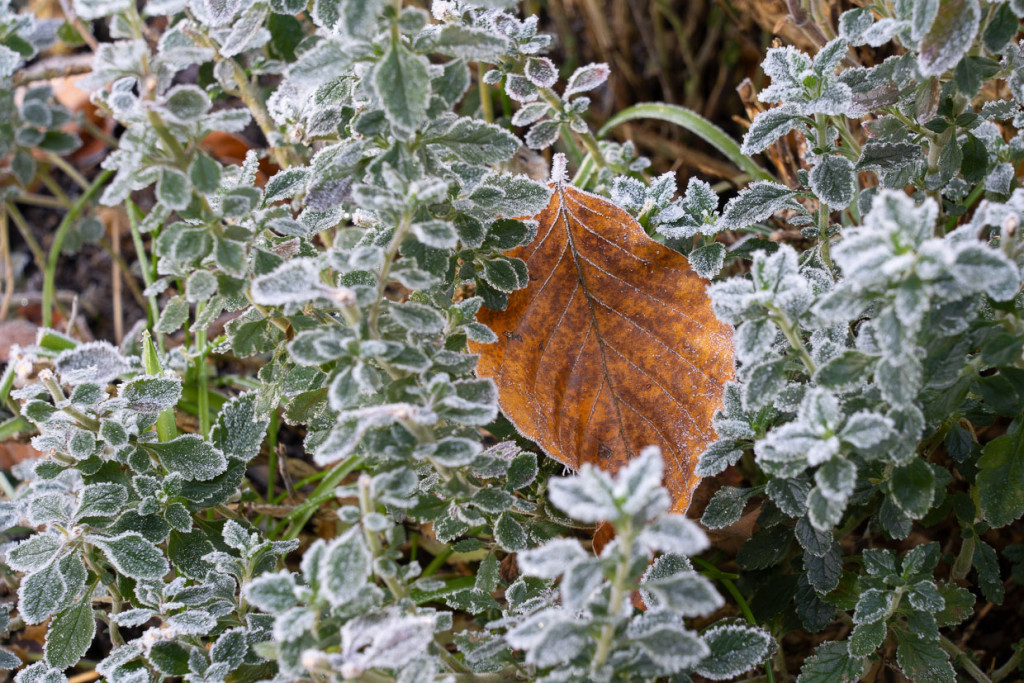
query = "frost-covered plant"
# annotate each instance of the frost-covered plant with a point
(351, 279)
(588, 627)
(865, 357)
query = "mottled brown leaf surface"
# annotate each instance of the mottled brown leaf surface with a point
(612, 346)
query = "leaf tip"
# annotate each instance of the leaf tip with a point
(559, 172)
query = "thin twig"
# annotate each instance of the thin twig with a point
(5, 250)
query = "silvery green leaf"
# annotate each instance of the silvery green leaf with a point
(186, 103)
(725, 507)
(240, 428)
(836, 479)
(682, 592)
(580, 581)
(133, 617)
(192, 622)
(913, 488)
(34, 552)
(387, 639)
(41, 593)
(200, 286)
(707, 260)
(543, 134)
(284, 185)
(674, 534)
(132, 555)
(824, 512)
(853, 23)
(887, 156)
(344, 567)
(923, 16)
(520, 88)
(872, 605)
(530, 113)
(717, 457)
(247, 31)
(541, 71)
(190, 456)
(832, 662)
(667, 642)
(99, 362)
(40, 672)
(236, 536)
(174, 189)
(477, 142)
(151, 394)
(770, 125)
(273, 593)
(586, 78)
(586, 496)
(98, 9)
(9, 660)
(950, 36)
(925, 596)
(296, 281)
(417, 317)
(101, 500)
(734, 649)
(70, 635)
(216, 12)
(833, 180)
(755, 203)
(865, 429)
(49, 507)
(979, 268)
(551, 559)
(509, 534)
(173, 317)
(403, 86)
(439, 234)
(230, 648)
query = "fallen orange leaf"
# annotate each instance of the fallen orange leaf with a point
(613, 345)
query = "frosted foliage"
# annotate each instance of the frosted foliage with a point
(551, 559)
(387, 640)
(586, 497)
(99, 362)
(296, 282)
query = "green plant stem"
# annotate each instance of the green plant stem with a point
(486, 106)
(438, 562)
(282, 156)
(153, 310)
(726, 579)
(39, 200)
(50, 273)
(38, 255)
(366, 506)
(298, 517)
(821, 127)
(587, 139)
(165, 134)
(793, 337)
(1011, 666)
(961, 658)
(619, 592)
(69, 170)
(202, 378)
(275, 423)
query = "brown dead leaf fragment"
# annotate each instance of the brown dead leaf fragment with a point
(612, 347)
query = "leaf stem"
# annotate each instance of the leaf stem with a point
(398, 590)
(965, 662)
(50, 273)
(619, 590)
